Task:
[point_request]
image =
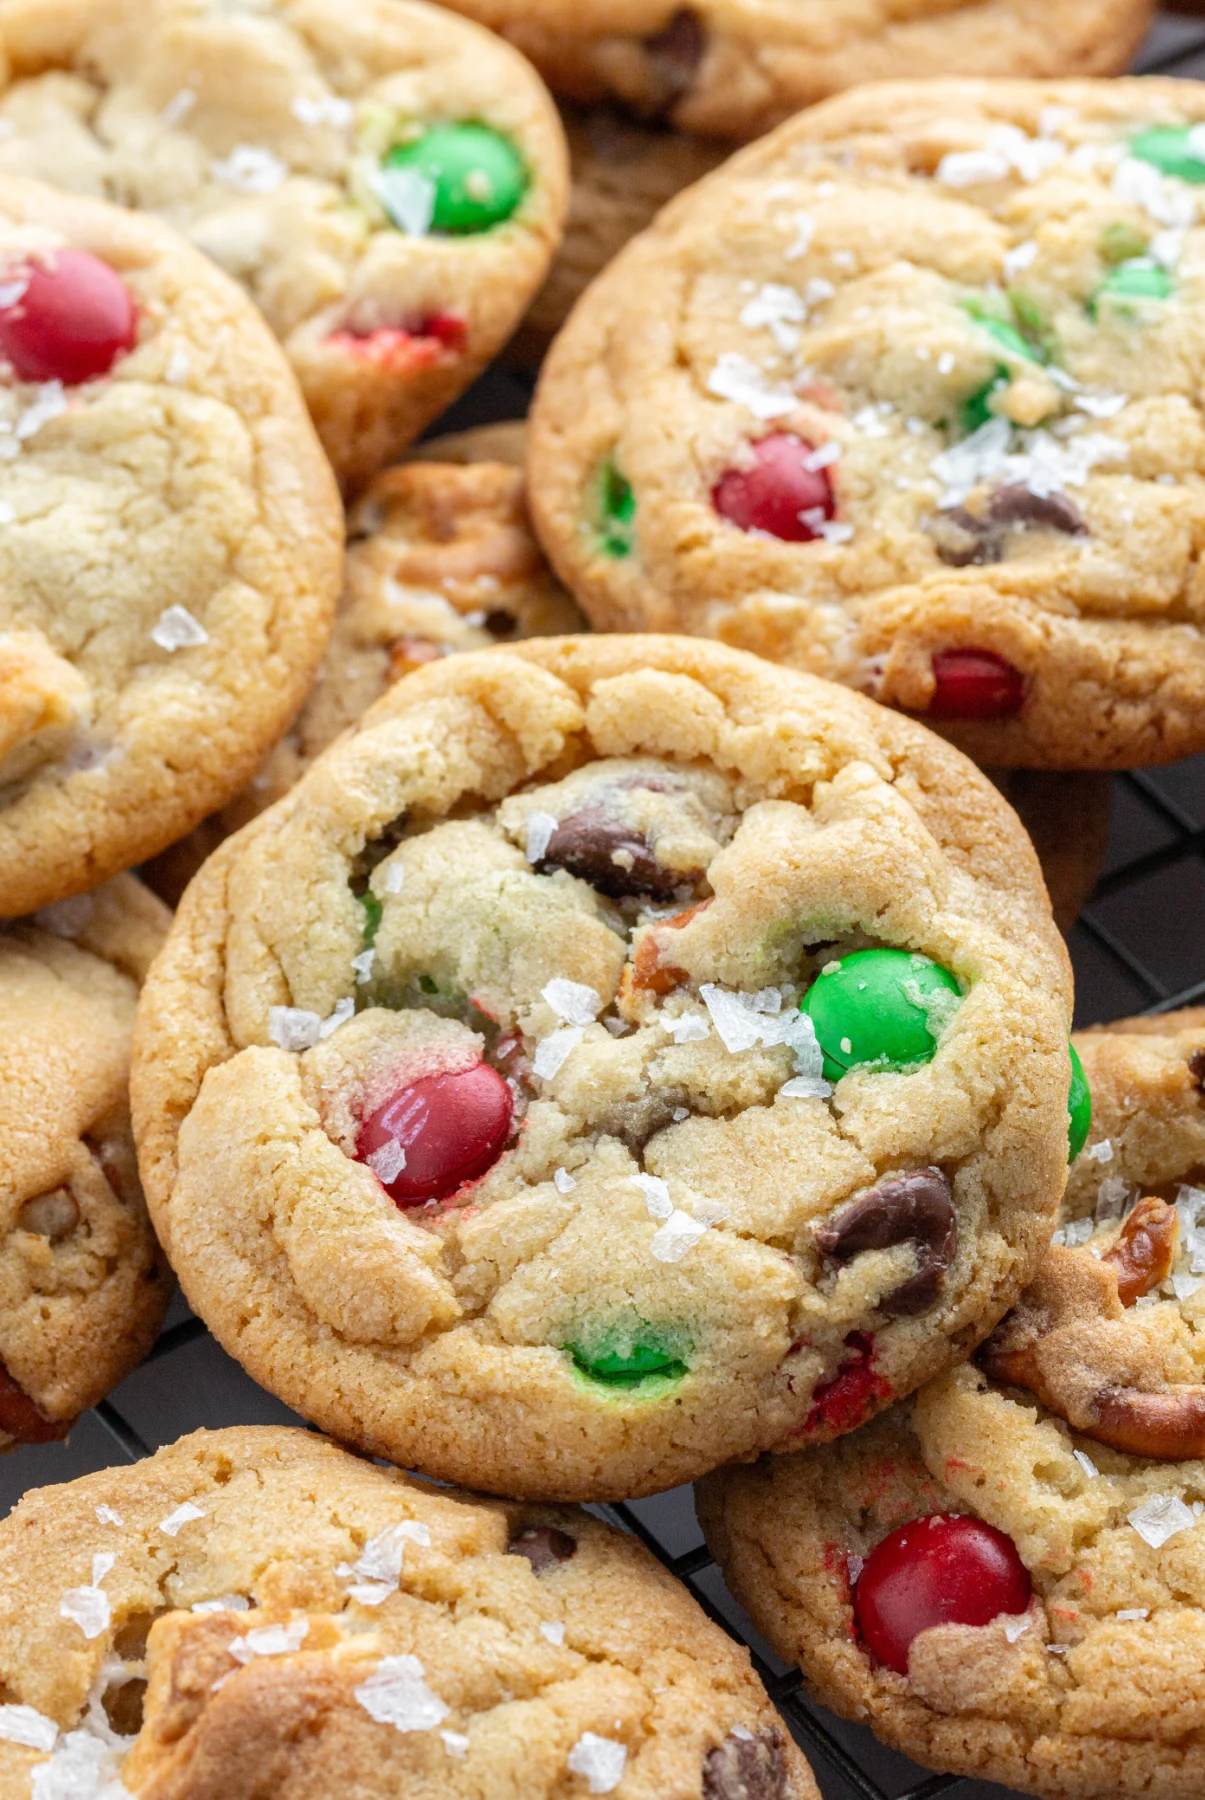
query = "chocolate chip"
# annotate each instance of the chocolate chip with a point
(22, 1419)
(1196, 1068)
(609, 855)
(961, 539)
(746, 1768)
(1018, 505)
(911, 1209)
(674, 54)
(543, 1546)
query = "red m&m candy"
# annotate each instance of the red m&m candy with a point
(66, 319)
(778, 494)
(975, 684)
(431, 1137)
(944, 1570)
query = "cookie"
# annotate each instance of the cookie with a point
(387, 181)
(622, 173)
(83, 1287)
(734, 68)
(170, 538)
(1005, 1577)
(501, 1092)
(255, 1611)
(897, 396)
(441, 558)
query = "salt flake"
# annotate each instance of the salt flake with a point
(185, 1512)
(1161, 1517)
(679, 1234)
(322, 109)
(1133, 1612)
(269, 1640)
(83, 1767)
(601, 1760)
(690, 1029)
(178, 107)
(407, 196)
(1102, 1152)
(736, 378)
(1016, 1625)
(573, 1001)
(540, 827)
(553, 1630)
(395, 875)
(396, 1693)
(176, 629)
(25, 1725)
(250, 170)
(968, 168)
(455, 1743)
(552, 1052)
(106, 1516)
(656, 1195)
(293, 1027)
(563, 1181)
(1086, 1464)
(387, 1162)
(222, 1603)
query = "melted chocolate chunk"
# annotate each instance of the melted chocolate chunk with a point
(609, 855)
(963, 538)
(22, 1419)
(911, 1209)
(543, 1546)
(674, 55)
(746, 1768)
(1196, 1068)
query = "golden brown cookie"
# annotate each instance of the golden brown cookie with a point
(897, 396)
(255, 1611)
(83, 1287)
(736, 67)
(169, 536)
(615, 1056)
(441, 558)
(1006, 1578)
(387, 181)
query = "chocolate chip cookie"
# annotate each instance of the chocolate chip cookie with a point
(1004, 1578)
(441, 558)
(169, 538)
(255, 1610)
(386, 180)
(898, 395)
(736, 67)
(614, 1056)
(83, 1287)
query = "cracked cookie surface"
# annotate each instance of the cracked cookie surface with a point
(254, 1609)
(737, 67)
(493, 1085)
(83, 1286)
(388, 183)
(169, 533)
(1080, 1436)
(927, 352)
(441, 558)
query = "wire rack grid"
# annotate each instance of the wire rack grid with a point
(1134, 949)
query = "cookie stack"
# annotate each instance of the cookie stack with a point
(583, 1062)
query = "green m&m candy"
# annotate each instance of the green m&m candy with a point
(616, 512)
(626, 1365)
(1173, 150)
(475, 175)
(1079, 1107)
(879, 1007)
(1140, 279)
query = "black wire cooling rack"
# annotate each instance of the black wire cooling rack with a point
(1139, 946)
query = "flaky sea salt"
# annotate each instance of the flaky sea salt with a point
(1101, 406)
(1016, 1625)
(806, 1087)
(1133, 1612)
(178, 107)
(222, 1603)
(25, 1725)
(396, 1693)
(395, 876)
(83, 1767)
(295, 1028)
(1185, 1286)
(176, 629)
(540, 827)
(387, 1162)
(269, 1640)
(776, 308)
(689, 1029)
(742, 1023)
(553, 1051)
(601, 1760)
(106, 1516)
(1111, 1197)
(183, 1514)
(572, 1001)
(178, 368)
(51, 403)
(1168, 202)
(1161, 1517)
(1086, 1464)
(455, 1743)
(553, 1630)
(1074, 1233)
(88, 1607)
(407, 196)
(1102, 1152)
(249, 169)
(824, 456)
(1019, 258)
(322, 109)
(805, 234)
(362, 965)
(656, 1195)
(679, 1234)
(378, 1568)
(563, 1181)
(968, 168)
(734, 377)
